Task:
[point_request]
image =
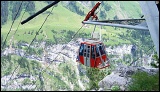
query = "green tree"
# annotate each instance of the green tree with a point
(74, 8)
(23, 62)
(115, 17)
(40, 51)
(3, 45)
(49, 42)
(4, 11)
(107, 7)
(142, 81)
(31, 7)
(31, 51)
(156, 65)
(94, 75)
(103, 14)
(16, 7)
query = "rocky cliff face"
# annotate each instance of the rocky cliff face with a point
(121, 77)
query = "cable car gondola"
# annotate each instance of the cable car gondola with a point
(92, 53)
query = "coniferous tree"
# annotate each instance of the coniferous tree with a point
(4, 11)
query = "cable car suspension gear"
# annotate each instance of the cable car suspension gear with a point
(92, 51)
(92, 13)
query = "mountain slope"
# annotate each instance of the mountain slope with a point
(64, 17)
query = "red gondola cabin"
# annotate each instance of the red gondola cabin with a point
(92, 53)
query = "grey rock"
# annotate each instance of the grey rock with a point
(121, 76)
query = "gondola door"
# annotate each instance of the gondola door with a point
(87, 49)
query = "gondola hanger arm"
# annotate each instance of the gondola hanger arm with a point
(92, 13)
